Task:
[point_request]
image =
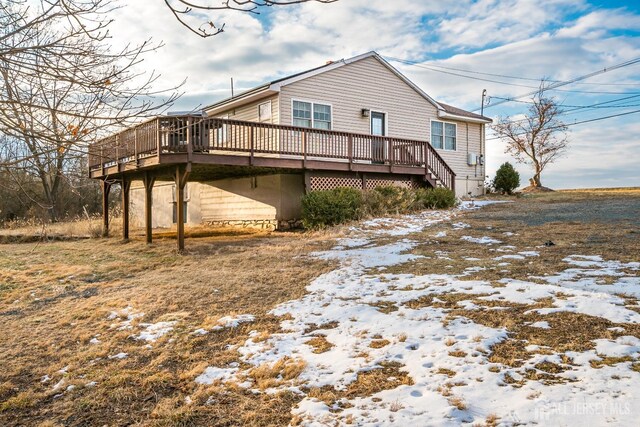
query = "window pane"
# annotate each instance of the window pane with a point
(450, 129)
(322, 112)
(450, 136)
(436, 128)
(322, 125)
(436, 141)
(306, 123)
(437, 135)
(301, 110)
(449, 143)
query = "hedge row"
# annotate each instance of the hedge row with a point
(322, 209)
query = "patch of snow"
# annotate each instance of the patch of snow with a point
(351, 296)
(213, 374)
(508, 256)
(233, 321)
(121, 355)
(91, 384)
(541, 325)
(622, 346)
(460, 225)
(440, 234)
(529, 253)
(154, 331)
(45, 379)
(94, 340)
(127, 315)
(58, 385)
(484, 240)
(200, 332)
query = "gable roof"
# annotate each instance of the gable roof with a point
(273, 87)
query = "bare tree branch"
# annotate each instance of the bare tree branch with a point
(539, 139)
(182, 9)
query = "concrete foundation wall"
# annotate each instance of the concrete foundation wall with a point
(270, 198)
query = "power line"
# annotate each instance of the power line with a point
(580, 122)
(406, 61)
(567, 82)
(556, 83)
(576, 107)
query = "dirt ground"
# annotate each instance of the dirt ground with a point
(73, 313)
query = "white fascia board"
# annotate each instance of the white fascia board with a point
(445, 115)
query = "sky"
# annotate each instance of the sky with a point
(515, 43)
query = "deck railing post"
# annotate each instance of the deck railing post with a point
(189, 140)
(252, 143)
(158, 142)
(102, 162)
(304, 149)
(390, 154)
(117, 152)
(135, 145)
(350, 150)
(425, 152)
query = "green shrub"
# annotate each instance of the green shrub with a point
(373, 204)
(389, 200)
(507, 179)
(436, 198)
(322, 209)
(325, 208)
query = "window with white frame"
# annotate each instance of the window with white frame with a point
(322, 116)
(308, 114)
(443, 135)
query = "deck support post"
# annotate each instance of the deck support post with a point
(106, 188)
(125, 187)
(181, 177)
(148, 181)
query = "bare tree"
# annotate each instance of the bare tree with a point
(538, 139)
(63, 85)
(182, 9)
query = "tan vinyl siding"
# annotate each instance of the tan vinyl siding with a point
(362, 84)
(369, 84)
(249, 112)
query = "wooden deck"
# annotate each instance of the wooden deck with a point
(198, 140)
(175, 145)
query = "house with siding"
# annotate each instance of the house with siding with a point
(249, 159)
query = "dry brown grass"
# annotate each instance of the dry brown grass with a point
(319, 344)
(56, 296)
(387, 376)
(379, 343)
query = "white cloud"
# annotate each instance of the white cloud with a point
(527, 38)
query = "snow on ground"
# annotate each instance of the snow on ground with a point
(233, 321)
(152, 331)
(453, 379)
(484, 240)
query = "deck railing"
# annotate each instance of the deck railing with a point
(195, 134)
